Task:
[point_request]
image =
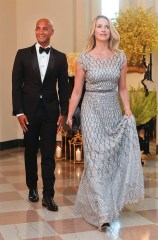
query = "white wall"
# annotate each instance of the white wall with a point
(137, 3)
(8, 127)
(60, 12)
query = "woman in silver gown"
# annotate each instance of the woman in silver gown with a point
(112, 175)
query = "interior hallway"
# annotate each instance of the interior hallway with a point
(20, 219)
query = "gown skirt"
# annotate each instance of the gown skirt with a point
(112, 175)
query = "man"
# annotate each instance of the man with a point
(40, 108)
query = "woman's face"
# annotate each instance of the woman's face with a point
(102, 30)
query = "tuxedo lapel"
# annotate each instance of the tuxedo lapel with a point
(50, 63)
(35, 63)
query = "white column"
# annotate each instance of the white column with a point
(8, 124)
(85, 11)
(155, 74)
(137, 3)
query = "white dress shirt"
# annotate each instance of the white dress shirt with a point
(43, 59)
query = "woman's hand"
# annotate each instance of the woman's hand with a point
(69, 122)
(128, 113)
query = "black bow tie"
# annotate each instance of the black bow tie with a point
(41, 50)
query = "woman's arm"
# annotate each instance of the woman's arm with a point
(123, 91)
(76, 93)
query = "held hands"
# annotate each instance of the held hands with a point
(23, 122)
(69, 122)
(60, 122)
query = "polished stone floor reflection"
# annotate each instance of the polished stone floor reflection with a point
(20, 219)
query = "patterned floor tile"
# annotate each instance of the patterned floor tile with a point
(71, 226)
(3, 180)
(20, 186)
(146, 204)
(67, 190)
(47, 238)
(11, 172)
(27, 230)
(151, 215)
(150, 183)
(129, 219)
(7, 188)
(1, 237)
(92, 235)
(14, 205)
(22, 220)
(13, 169)
(19, 217)
(149, 232)
(63, 213)
(152, 192)
(6, 196)
(72, 198)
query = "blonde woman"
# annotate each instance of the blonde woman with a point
(112, 174)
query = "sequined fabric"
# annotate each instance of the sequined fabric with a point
(112, 174)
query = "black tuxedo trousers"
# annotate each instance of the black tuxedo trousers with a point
(41, 135)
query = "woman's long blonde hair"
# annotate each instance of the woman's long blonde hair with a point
(114, 35)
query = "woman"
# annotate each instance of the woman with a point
(112, 174)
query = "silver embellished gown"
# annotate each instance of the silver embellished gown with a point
(112, 175)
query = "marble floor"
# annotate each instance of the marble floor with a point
(20, 219)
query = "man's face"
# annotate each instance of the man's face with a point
(43, 31)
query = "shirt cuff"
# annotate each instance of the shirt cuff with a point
(20, 114)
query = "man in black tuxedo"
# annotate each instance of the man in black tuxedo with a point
(40, 108)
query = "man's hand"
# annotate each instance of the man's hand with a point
(23, 122)
(60, 122)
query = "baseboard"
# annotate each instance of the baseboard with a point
(11, 144)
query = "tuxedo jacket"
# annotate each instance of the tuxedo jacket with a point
(27, 86)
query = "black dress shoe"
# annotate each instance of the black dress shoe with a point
(33, 195)
(49, 203)
(105, 225)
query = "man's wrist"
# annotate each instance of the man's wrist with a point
(20, 114)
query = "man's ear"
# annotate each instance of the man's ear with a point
(52, 32)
